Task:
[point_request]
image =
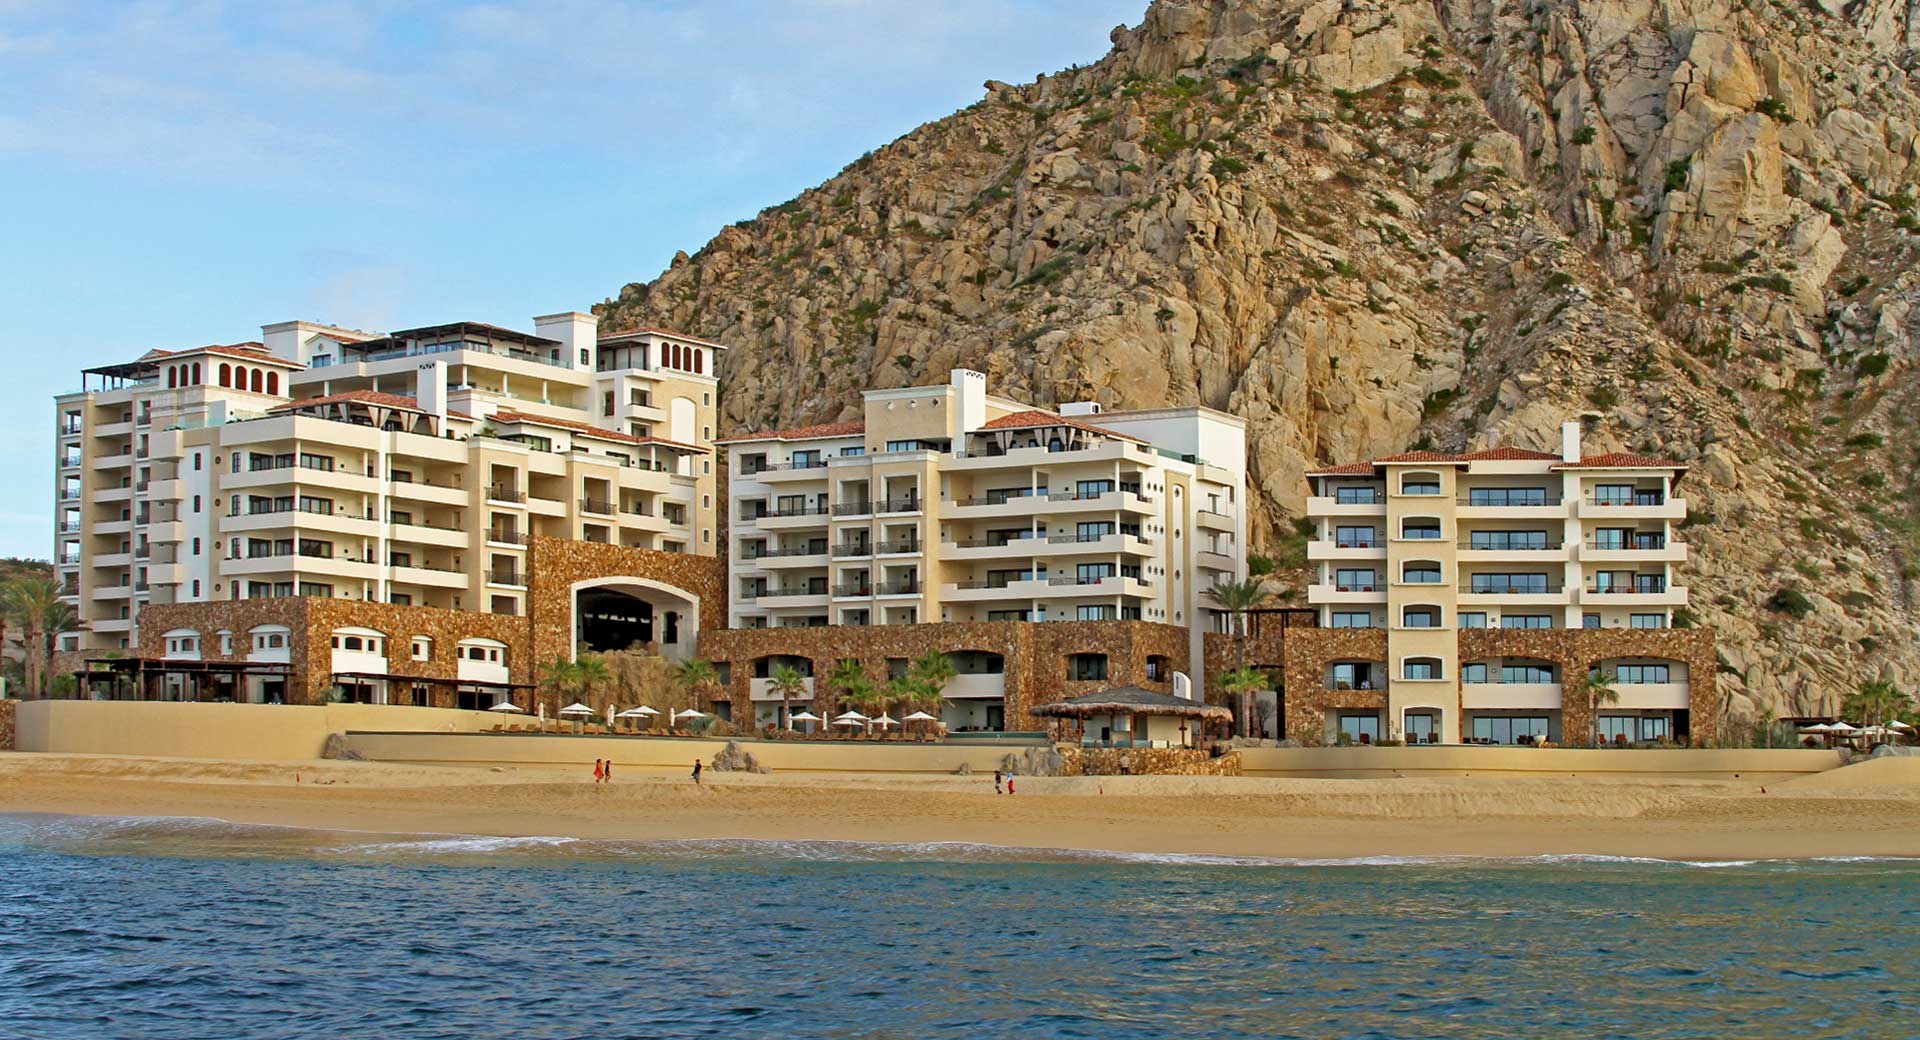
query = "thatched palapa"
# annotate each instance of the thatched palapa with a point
(1130, 700)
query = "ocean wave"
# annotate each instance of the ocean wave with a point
(210, 836)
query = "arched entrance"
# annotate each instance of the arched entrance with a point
(626, 613)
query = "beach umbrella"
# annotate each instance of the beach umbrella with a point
(1819, 727)
(1901, 726)
(804, 716)
(886, 720)
(688, 714)
(577, 708)
(507, 706)
(850, 716)
(920, 716)
(1841, 727)
(633, 713)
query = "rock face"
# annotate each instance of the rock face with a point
(1369, 225)
(735, 759)
(338, 748)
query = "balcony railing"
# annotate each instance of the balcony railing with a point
(1652, 498)
(991, 583)
(789, 592)
(853, 589)
(902, 545)
(779, 467)
(897, 588)
(860, 508)
(994, 500)
(909, 504)
(785, 511)
(509, 538)
(1483, 546)
(1363, 543)
(803, 550)
(596, 505)
(1635, 545)
(857, 549)
(505, 576)
(1638, 588)
(993, 543)
(1512, 588)
(506, 494)
(1510, 502)
(636, 509)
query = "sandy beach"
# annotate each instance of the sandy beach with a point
(1866, 810)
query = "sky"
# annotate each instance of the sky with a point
(177, 174)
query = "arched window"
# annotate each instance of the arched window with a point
(172, 375)
(1418, 668)
(226, 374)
(196, 373)
(273, 382)
(253, 379)
(1420, 572)
(699, 361)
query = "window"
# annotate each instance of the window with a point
(1087, 667)
(1509, 730)
(1620, 729)
(1009, 615)
(1526, 621)
(1637, 674)
(1649, 621)
(1361, 729)
(1425, 530)
(1420, 484)
(1356, 496)
(1589, 621)
(1473, 619)
(196, 588)
(1351, 619)
(1473, 673)
(1422, 573)
(1351, 675)
(1535, 583)
(1420, 668)
(422, 648)
(1093, 613)
(1527, 673)
(1420, 617)
(1356, 537)
(1533, 496)
(1507, 540)
(1354, 579)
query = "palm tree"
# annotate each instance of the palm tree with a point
(1599, 690)
(1237, 598)
(788, 683)
(35, 605)
(695, 676)
(1877, 701)
(593, 675)
(561, 677)
(849, 680)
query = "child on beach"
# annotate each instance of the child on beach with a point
(696, 772)
(608, 771)
(1009, 781)
(598, 771)
(998, 780)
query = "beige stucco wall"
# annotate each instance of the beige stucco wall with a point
(1757, 764)
(257, 732)
(674, 752)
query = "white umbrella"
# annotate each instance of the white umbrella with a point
(886, 720)
(576, 708)
(636, 713)
(843, 721)
(1820, 727)
(1901, 726)
(689, 714)
(507, 706)
(850, 716)
(920, 716)
(1841, 727)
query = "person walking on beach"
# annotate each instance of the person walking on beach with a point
(999, 780)
(696, 772)
(1009, 781)
(608, 770)
(598, 773)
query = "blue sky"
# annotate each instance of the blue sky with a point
(181, 173)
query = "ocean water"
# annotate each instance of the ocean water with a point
(200, 929)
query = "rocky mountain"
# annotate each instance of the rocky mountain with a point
(1372, 225)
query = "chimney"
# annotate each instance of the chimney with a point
(576, 332)
(970, 394)
(1080, 408)
(430, 389)
(1570, 441)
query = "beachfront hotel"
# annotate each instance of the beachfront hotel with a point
(413, 468)
(947, 505)
(1474, 592)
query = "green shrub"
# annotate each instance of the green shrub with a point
(1866, 441)
(1603, 397)
(1677, 174)
(1791, 602)
(1871, 365)
(1584, 135)
(1773, 108)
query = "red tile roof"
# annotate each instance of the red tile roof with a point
(372, 398)
(589, 430)
(1503, 454)
(1034, 418)
(1622, 460)
(243, 351)
(669, 333)
(802, 433)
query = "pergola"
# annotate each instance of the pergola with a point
(1139, 707)
(144, 678)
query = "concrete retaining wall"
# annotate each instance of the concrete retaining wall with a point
(257, 732)
(1469, 760)
(672, 752)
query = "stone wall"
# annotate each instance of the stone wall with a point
(556, 565)
(311, 622)
(1575, 650)
(1308, 654)
(1144, 761)
(9, 715)
(1034, 656)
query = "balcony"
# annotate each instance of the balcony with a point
(788, 472)
(1634, 596)
(898, 547)
(1209, 520)
(993, 589)
(1329, 505)
(789, 592)
(797, 557)
(1362, 594)
(762, 690)
(1513, 594)
(1333, 551)
(598, 506)
(859, 508)
(854, 551)
(1666, 551)
(909, 504)
(897, 588)
(1493, 696)
(506, 576)
(976, 686)
(1667, 696)
(1553, 551)
(853, 589)
(509, 538)
(1548, 507)
(1636, 508)
(505, 495)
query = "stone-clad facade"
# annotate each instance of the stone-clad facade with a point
(1035, 656)
(1303, 656)
(558, 566)
(8, 715)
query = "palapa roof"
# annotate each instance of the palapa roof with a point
(1130, 700)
